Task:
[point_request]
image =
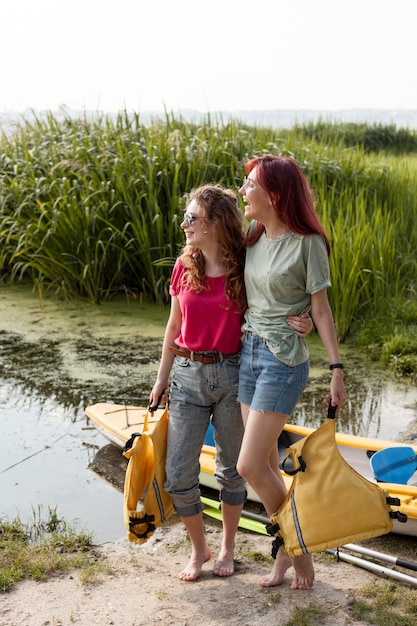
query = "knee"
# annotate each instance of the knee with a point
(244, 470)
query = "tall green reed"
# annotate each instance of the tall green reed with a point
(91, 208)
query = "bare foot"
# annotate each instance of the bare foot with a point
(304, 572)
(276, 577)
(193, 569)
(224, 566)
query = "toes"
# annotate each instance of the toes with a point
(222, 570)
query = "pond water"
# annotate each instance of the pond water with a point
(45, 454)
(57, 359)
(46, 450)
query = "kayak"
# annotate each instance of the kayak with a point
(396, 461)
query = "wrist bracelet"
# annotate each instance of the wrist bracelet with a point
(336, 366)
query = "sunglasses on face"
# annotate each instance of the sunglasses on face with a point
(248, 182)
(189, 218)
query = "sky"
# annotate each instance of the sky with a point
(208, 55)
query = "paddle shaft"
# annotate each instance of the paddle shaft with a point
(373, 567)
(215, 504)
(245, 523)
(388, 558)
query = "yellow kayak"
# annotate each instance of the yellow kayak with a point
(118, 422)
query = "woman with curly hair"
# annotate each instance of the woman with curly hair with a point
(202, 341)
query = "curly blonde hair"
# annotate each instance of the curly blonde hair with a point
(220, 206)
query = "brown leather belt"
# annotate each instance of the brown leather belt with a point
(206, 357)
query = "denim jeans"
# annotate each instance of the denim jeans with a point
(265, 382)
(200, 392)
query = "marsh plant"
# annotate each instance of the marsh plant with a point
(91, 207)
(41, 546)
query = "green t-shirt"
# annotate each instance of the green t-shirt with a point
(280, 276)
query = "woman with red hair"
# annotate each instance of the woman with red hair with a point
(286, 274)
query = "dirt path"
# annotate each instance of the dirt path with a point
(144, 588)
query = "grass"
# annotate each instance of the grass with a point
(40, 547)
(312, 615)
(385, 604)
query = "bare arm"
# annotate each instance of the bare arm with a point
(172, 331)
(323, 319)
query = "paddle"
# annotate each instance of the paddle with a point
(373, 567)
(388, 558)
(394, 465)
(249, 521)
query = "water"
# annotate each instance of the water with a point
(380, 409)
(45, 453)
(46, 450)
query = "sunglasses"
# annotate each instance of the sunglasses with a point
(248, 181)
(189, 218)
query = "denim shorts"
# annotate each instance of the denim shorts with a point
(199, 393)
(265, 382)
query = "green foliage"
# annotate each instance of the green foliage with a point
(373, 138)
(385, 604)
(390, 337)
(92, 207)
(39, 547)
(311, 615)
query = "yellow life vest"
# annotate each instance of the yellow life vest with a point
(146, 452)
(329, 503)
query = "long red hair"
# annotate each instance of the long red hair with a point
(290, 194)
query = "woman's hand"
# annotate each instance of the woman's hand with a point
(301, 324)
(338, 395)
(158, 395)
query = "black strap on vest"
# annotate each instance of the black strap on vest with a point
(276, 544)
(146, 519)
(301, 468)
(272, 529)
(129, 442)
(331, 414)
(401, 517)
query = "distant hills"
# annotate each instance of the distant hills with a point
(278, 118)
(285, 118)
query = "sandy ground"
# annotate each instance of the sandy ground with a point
(143, 588)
